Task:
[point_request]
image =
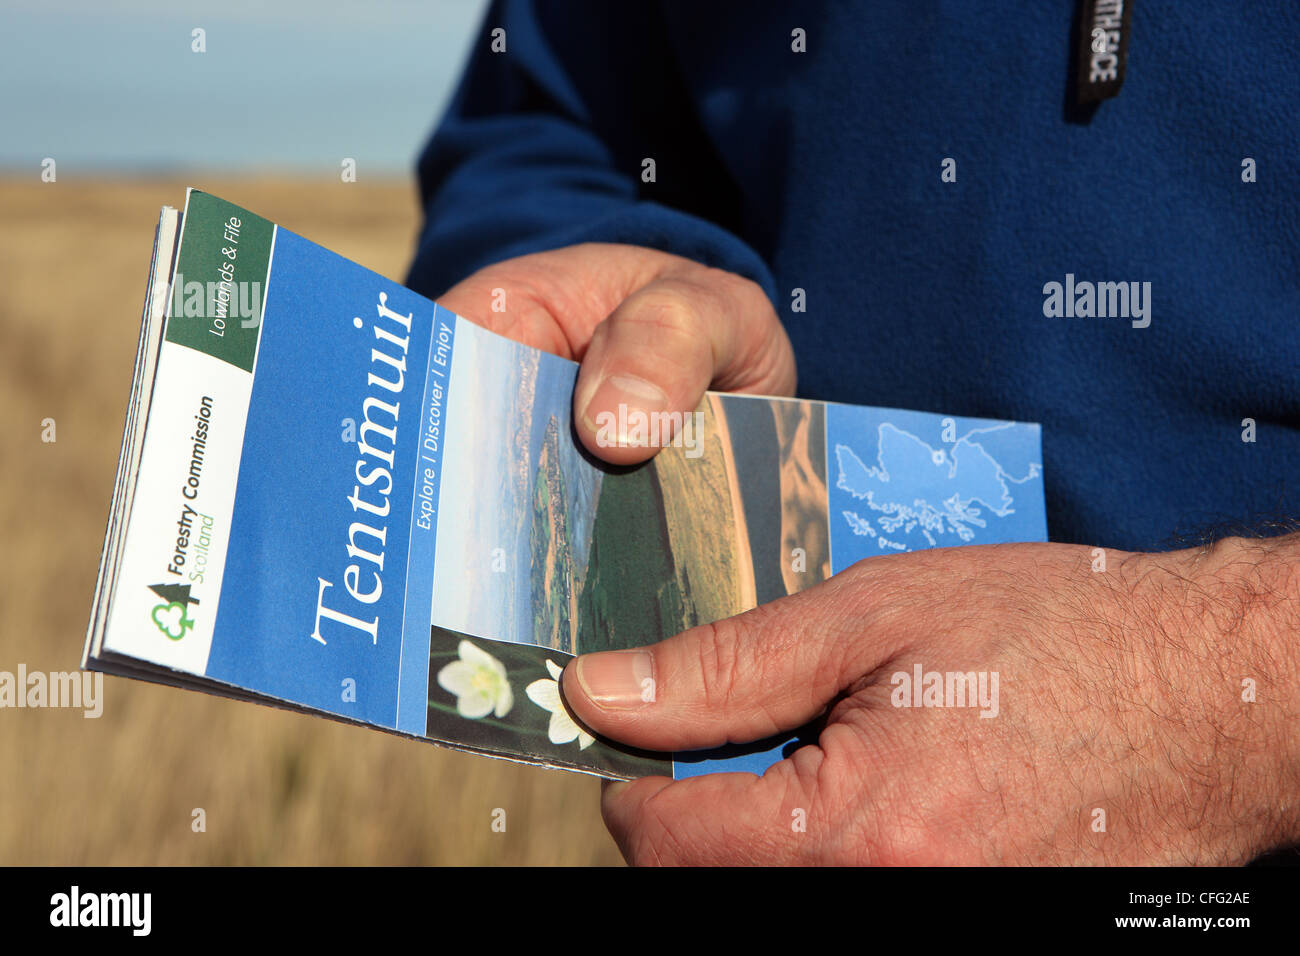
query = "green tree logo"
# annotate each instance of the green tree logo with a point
(172, 616)
(171, 619)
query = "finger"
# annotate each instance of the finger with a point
(496, 301)
(651, 361)
(717, 819)
(553, 300)
(744, 678)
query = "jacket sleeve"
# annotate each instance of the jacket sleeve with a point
(544, 143)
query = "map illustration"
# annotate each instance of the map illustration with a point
(906, 481)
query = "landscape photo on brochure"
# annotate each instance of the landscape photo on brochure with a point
(334, 495)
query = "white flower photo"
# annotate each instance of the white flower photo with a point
(546, 695)
(479, 682)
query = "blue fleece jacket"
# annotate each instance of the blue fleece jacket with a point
(829, 171)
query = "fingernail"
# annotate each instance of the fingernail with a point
(618, 397)
(616, 678)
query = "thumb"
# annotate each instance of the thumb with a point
(655, 355)
(741, 679)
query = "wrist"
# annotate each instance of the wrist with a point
(1246, 595)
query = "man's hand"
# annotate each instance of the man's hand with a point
(1146, 713)
(653, 331)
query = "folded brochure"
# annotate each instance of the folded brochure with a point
(336, 496)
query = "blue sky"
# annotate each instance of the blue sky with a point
(285, 85)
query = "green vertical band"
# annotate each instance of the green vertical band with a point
(220, 283)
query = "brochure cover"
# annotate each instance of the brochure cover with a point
(336, 496)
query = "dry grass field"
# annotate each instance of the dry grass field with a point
(277, 788)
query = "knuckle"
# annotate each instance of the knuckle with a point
(662, 311)
(655, 838)
(718, 659)
(774, 359)
(722, 282)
